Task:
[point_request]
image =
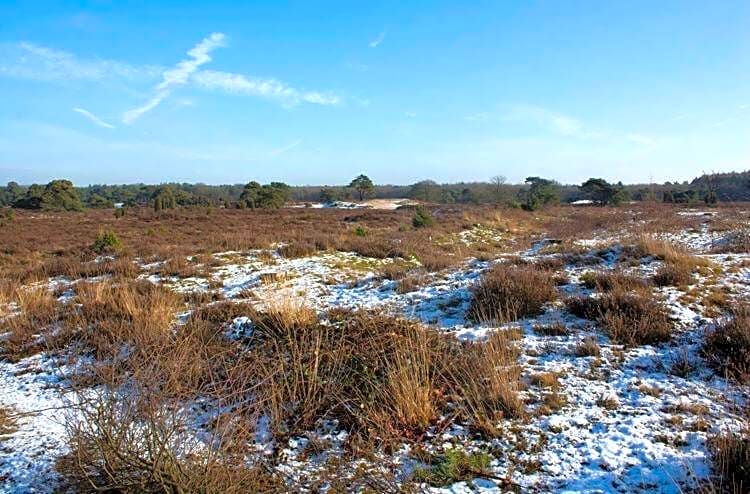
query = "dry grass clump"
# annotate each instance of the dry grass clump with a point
(486, 382)
(730, 455)
(395, 270)
(507, 293)
(297, 249)
(37, 311)
(412, 282)
(607, 281)
(7, 422)
(588, 347)
(557, 328)
(629, 318)
(673, 275)
(380, 376)
(679, 264)
(105, 317)
(727, 346)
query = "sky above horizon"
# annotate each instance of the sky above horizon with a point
(316, 92)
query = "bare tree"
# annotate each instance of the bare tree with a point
(498, 181)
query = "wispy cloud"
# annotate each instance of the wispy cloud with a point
(30, 61)
(179, 75)
(284, 149)
(93, 118)
(264, 88)
(378, 39)
(744, 107)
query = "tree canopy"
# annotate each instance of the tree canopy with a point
(58, 195)
(541, 192)
(603, 193)
(363, 185)
(268, 196)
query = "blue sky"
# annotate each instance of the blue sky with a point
(313, 92)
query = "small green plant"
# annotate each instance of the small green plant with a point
(454, 465)
(360, 232)
(106, 241)
(422, 218)
(119, 212)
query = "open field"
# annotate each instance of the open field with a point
(592, 349)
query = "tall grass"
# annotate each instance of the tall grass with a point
(37, 311)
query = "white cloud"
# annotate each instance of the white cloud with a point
(30, 61)
(263, 88)
(378, 39)
(179, 75)
(744, 107)
(93, 118)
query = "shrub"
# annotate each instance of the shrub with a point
(506, 293)
(727, 346)
(360, 232)
(673, 275)
(730, 455)
(588, 347)
(422, 218)
(371, 371)
(629, 318)
(128, 445)
(106, 241)
(611, 280)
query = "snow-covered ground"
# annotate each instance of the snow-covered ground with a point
(627, 423)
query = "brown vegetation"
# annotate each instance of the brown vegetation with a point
(727, 346)
(629, 318)
(507, 292)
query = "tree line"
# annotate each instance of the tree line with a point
(534, 193)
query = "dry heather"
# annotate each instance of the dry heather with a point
(39, 245)
(611, 280)
(727, 346)
(507, 293)
(629, 318)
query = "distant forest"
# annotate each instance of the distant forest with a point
(708, 188)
